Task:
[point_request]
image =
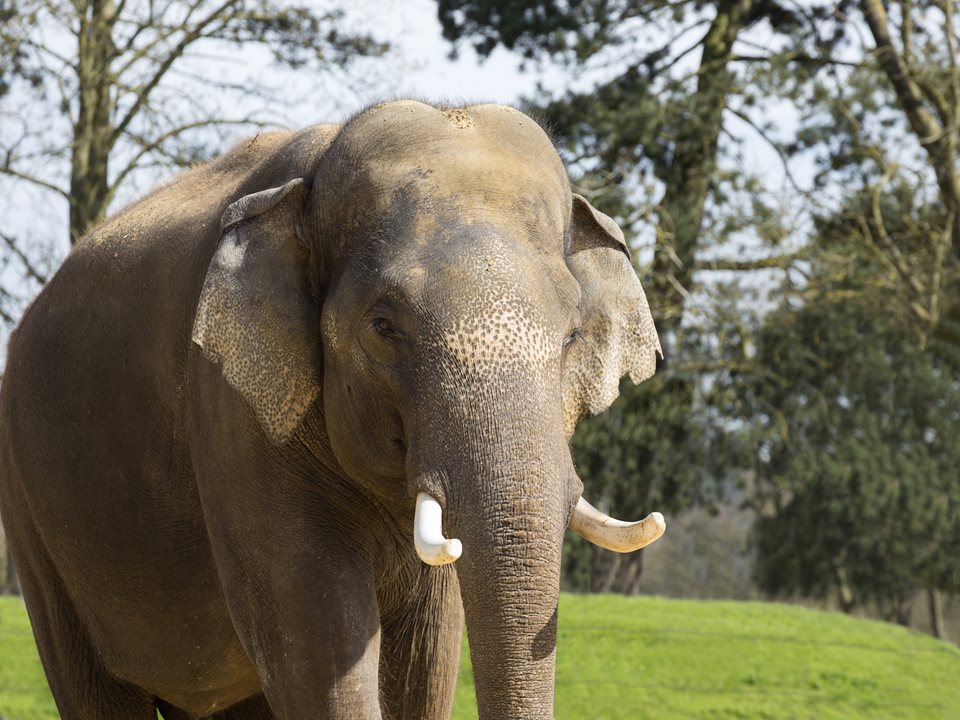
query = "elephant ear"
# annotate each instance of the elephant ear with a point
(619, 337)
(257, 317)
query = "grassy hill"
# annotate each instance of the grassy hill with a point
(629, 658)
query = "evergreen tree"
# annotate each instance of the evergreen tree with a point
(857, 447)
(95, 93)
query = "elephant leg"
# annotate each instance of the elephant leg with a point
(318, 656)
(420, 650)
(81, 686)
(297, 557)
(306, 612)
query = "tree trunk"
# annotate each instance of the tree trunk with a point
(936, 613)
(903, 612)
(630, 583)
(93, 129)
(11, 584)
(692, 169)
(845, 595)
(611, 571)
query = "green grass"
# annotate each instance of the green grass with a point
(23, 688)
(653, 658)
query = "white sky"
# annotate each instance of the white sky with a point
(421, 66)
(435, 77)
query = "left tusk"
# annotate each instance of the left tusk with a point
(432, 547)
(616, 535)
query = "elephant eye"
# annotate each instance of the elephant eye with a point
(385, 329)
(575, 335)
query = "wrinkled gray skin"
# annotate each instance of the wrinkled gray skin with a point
(210, 456)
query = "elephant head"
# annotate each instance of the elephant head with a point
(453, 309)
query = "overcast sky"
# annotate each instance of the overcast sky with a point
(419, 65)
(434, 76)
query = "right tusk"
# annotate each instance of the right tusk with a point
(616, 535)
(432, 547)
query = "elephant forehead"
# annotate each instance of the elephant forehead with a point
(475, 183)
(486, 159)
(501, 334)
(400, 126)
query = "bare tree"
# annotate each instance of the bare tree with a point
(95, 95)
(917, 53)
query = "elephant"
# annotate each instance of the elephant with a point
(274, 432)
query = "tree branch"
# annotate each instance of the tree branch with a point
(165, 65)
(893, 65)
(896, 257)
(148, 146)
(939, 102)
(679, 56)
(30, 268)
(776, 148)
(778, 262)
(942, 244)
(906, 32)
(935, 140)
(44, 50)
(715, 366)
(164, 33)
(796, 57)
(946, 7)
(7, 170)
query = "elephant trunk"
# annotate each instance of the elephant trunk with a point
(510, 583)
(507, 499)
(495, 488)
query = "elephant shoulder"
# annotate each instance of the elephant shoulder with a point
(190, 205)
(138, 274)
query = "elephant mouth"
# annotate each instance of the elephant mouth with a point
(588, 522)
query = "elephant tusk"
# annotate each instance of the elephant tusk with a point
(616, 535)
(432, 547)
